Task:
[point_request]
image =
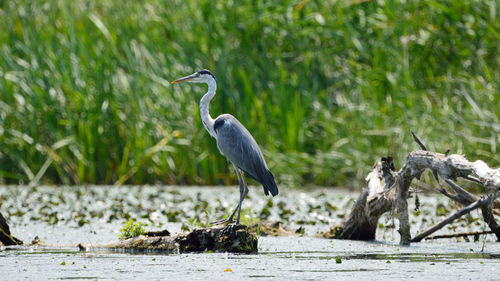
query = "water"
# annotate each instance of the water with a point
(70, 215)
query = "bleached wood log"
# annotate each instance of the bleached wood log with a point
(448, 167)
(387, 190)
(376, 198)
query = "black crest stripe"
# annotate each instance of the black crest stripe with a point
(204, 71)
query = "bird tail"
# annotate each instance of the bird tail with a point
(269, 184)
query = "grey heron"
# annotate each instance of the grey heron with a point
(234, 142)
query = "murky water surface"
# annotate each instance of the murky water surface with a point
(91, 215)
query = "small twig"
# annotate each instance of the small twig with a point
(417, 140)
(422, 146)
(465, 234)
(417, 201)
(451, 218)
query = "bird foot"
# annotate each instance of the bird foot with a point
(231, 229)
(223, 221)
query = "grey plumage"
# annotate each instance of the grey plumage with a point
(239, 147)
(234, 142)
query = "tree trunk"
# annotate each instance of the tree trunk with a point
(6, 238)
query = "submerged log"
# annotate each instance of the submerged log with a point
(6, 238)
(387, 190)
(231, 238)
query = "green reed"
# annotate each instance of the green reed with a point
(325, 87)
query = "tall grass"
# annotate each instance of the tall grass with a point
(325, 87)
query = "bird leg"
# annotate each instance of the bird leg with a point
(228, 220)
(243, 193)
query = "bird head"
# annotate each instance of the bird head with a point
(202, 76)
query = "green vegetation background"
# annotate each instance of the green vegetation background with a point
(325, 87)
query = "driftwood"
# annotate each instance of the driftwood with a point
(456, 235)
(376, 199)
(448, 167)
(6, 237)
(231, 238)
(387, 190)
(451, 218)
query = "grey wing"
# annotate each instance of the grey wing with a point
(236, 143)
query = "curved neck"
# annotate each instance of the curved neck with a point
(207, 120)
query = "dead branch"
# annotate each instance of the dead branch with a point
(464, 197)
(456, 235)
(449, 168)
(451, 218)
(387, 190)
(417, 140)
(422, 146)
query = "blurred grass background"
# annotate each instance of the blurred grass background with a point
(325, 87)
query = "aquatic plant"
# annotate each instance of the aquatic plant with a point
(131, 229)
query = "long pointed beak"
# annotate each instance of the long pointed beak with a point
(184, 79)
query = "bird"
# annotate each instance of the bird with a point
(234, 142)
